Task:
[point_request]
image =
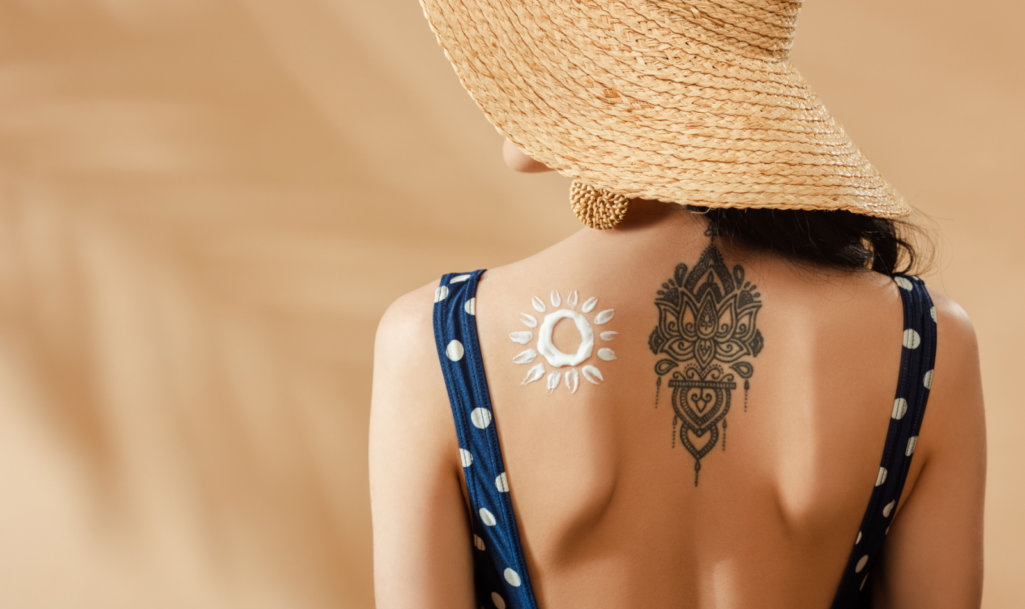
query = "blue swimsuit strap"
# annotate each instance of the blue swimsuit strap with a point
(917, 359)
(500, 571)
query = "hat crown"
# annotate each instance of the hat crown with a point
(762, 29)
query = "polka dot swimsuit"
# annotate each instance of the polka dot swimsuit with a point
(500, 572)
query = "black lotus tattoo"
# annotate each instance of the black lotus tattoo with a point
(706, 330)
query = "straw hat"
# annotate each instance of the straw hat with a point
(686, 101)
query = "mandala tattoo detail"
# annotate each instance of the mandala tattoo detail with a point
(705, 333)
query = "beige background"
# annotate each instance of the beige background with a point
(206, 205)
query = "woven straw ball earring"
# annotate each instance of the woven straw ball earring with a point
(597, 208)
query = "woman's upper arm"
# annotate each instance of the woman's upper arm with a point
(933, 554)
(422, 549)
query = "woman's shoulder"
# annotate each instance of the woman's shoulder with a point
(409, 319)
(410, 311)
(404, 340)
(405, 348)
(956, 390)
(957, 351)
(952, 320)
(956, 372)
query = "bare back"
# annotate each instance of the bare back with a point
(605, 493)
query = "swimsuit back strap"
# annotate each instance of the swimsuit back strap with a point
(500, 572)
(918, 356)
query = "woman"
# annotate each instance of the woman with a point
(713, 396)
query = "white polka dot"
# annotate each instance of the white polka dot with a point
(502, 483)
(454, 350)
(881, 477)
(440, 293)
(903, 282)
(864, 580)
(911, 338)
(858, 540)
(479, 543)
(927, 379)
(900, 406)
(470, 306)
(498, 600)
(480, 417)
(512, 577)
(858, 568)
(487, 517)
(911, 446)
(932, 313)
(459, 278)
(465, 457)
(887, 531)
(888, 508)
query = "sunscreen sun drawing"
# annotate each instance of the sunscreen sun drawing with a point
(566, 368)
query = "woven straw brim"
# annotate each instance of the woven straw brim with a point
(638, 99)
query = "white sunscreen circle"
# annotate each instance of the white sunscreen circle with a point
(556, 357)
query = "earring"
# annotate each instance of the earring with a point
(596, 207)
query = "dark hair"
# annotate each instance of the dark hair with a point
(837, 238)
